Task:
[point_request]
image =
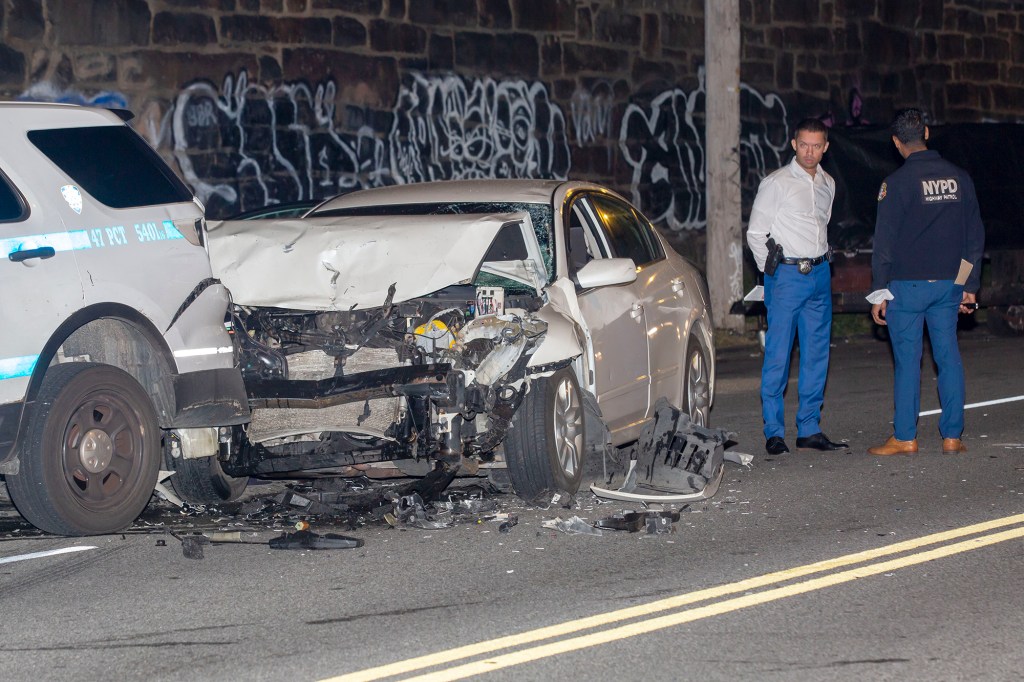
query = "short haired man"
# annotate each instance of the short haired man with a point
(928, 227)
(792, 208)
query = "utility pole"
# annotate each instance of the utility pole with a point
(725, 230)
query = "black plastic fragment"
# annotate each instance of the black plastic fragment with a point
(304, 539)
(629, 521)
(192, 546)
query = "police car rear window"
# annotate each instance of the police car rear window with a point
(113, 164)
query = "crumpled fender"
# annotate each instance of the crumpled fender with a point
(563, 340)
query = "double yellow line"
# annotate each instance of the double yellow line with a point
(983, 531)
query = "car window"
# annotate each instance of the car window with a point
(583, 240)
(652, 239)
(540, 215)
(627, 235)
(11, 206)
(113, 164)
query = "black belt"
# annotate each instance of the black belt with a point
(805, 265)
(810, 261)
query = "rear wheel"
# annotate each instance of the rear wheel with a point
(92, 452)
(544, 446)
(697, 384)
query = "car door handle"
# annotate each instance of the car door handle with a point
(41, 252)
(678, 285)
(636, 311)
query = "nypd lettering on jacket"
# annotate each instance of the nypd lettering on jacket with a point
(940, 190)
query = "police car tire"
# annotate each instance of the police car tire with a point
(537, 444)
(202, 480)
(83, 409)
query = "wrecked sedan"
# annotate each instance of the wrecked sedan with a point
(512, 325)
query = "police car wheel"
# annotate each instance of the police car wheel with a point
(91, 452)
(545, 443)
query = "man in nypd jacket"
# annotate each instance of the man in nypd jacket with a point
(925, 268)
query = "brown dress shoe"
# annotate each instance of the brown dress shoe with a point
(894, 447)
(953, 445)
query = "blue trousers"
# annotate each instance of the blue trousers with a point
(797, 305)
(914, 303)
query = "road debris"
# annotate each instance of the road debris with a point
(674, 461)
(654, 522)
(574, 525)
(305, 539)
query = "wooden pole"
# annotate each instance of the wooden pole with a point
(725, 229)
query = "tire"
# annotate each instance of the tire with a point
(545, 443)
(1005, 320)
(202, 480)
(697, 384)
(90, 454)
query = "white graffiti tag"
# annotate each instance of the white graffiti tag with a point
(454, 128)
(592, 113)
(664, 146)
(250, 145)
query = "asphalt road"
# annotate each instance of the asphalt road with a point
(803, 567)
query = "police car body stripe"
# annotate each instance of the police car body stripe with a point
(12, 368)
(194, 352)
(74, 240)
(58, 241)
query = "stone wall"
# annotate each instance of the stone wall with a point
(262, 101)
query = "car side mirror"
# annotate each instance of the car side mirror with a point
(603, 272)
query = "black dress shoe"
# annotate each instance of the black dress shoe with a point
(818, 441)
(775, 446)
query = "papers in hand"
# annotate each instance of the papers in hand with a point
(964, 272)
(755, 294)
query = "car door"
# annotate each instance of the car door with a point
(614, 316)
(668, 302)
(38, 275)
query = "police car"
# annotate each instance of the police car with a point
(111, 325)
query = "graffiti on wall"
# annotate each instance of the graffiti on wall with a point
(662, 142)
(592, 113)
(247, 145)
(243, 145)
(449, 127)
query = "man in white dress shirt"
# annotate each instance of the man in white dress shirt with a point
(791, 210)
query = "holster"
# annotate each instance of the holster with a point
(771, 263)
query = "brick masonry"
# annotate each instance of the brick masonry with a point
(258, 101)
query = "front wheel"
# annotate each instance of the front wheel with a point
(697, 384)
(544, 445)
(91, 452)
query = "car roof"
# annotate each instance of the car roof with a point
(505, 190)
(41, 115)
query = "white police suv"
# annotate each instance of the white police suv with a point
(111, 325)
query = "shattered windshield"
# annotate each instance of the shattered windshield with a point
(540, 214)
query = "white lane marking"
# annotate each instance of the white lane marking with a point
(984, 404)
(39, 555)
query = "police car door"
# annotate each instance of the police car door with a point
(39, 283)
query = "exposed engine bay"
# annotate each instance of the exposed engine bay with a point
(435, 378)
